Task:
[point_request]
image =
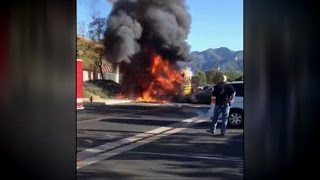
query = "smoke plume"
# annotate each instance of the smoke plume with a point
(112, 1)
(134, 25)
(138, 28)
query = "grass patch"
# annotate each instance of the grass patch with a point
(89, 89)
(86, 94)
(102, 88)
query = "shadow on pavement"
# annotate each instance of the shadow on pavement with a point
(138, 120)
(145, 122)
(107, 130)
(102, 174)
(150, 166)
(86, 142)
(195, 145)
(191, 142)
(206, 125)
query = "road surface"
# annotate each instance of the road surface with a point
(154, 141)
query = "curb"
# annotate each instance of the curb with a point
(117, 102)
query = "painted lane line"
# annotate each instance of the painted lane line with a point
(111, 153)
(220, 158)
(108, 146)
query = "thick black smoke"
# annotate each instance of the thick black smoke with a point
(112, 1)
(136, 30)
(137, 26)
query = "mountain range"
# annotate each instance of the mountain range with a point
(220, 58)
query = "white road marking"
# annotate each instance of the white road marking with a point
(220, 158)
(116, 102)
(108, 146)
(94, 155)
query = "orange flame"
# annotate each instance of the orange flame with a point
(165, 81)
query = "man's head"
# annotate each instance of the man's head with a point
(222, 78)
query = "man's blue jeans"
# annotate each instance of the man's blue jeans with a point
(224, 110)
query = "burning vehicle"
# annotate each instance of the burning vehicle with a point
(147, 38)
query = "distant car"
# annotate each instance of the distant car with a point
(236, 115)
(208, 88)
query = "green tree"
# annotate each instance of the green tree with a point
(202, 78)
(81, 29)
(90, 52)
(209, 76)
(97, 28)
(232, 75)
(216, 76)
(99, 48)
(212, 76)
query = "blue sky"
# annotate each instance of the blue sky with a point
(215, 23)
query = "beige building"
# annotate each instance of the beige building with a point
(109, 71)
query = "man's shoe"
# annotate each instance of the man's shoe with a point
(210, 131)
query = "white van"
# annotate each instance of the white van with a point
(236, 116)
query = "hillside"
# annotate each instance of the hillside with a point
(223, 57)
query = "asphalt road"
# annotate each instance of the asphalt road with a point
(148, 141)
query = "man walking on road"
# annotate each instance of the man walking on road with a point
(222, 95)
